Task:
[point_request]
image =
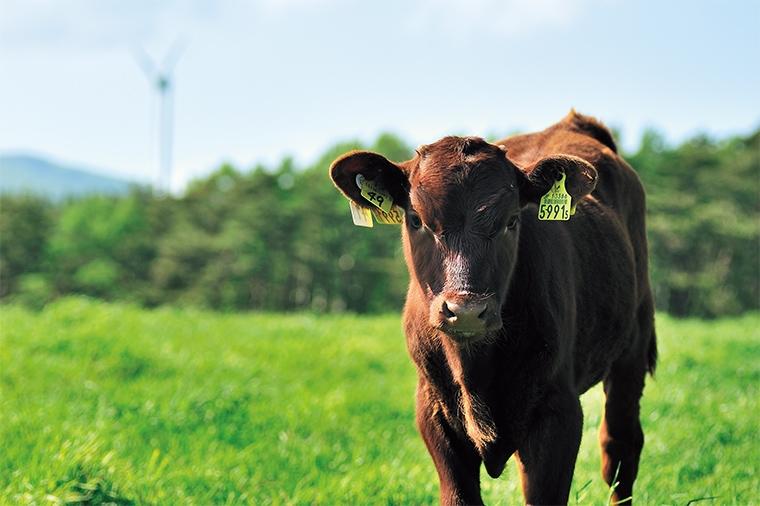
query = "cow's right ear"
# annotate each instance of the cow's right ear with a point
(372, 167)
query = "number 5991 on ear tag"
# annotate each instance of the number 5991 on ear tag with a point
(555, 204)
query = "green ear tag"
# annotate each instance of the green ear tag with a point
(555, 204)
(375, 193)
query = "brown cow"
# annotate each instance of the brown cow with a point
(510, 319)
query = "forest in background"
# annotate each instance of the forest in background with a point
(281, 238)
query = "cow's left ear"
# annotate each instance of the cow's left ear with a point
(580, 180)
(373, 167)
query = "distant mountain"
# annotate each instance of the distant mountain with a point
(31, 174)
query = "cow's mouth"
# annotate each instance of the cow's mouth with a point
(463, 336)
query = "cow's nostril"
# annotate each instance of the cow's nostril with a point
(464, 317)
(448, 313)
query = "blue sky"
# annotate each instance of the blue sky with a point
(263, 79)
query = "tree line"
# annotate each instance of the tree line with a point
(281, 238)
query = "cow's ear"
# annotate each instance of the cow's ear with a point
(373, 167)
(580, 180)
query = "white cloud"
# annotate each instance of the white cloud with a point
(97, 24)
(283, 5)
(511, 17)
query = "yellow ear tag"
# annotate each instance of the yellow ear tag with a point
(395, 217)
(375, 193)
(555, 204)
(361, 215)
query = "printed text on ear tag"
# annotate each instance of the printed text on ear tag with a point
(555, 204)
(394, 217)
(361, 215)
(375, 193)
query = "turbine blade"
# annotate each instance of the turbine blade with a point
(145, 63)
(173, 55)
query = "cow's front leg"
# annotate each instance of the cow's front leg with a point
(546, 457)
(454, 455)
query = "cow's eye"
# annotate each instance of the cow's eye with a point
(414, 220)
(513, 221)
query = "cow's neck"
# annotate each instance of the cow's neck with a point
(473, 372)
(463, 375)
(471, 366)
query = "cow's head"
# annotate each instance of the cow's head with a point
(462, 199)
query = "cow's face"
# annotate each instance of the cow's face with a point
(462, 199)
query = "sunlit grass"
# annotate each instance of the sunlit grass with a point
(111, 403)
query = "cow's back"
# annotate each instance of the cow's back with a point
(619, 190)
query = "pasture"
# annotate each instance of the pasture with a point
(110, 403)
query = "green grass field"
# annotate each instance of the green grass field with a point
(110, 403)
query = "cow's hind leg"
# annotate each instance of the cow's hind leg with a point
(620, 434)
(546, 457)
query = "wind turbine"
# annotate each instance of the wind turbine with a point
(161, 79)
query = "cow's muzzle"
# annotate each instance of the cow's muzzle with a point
(465, 316)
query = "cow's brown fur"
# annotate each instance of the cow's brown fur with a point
(568, 304)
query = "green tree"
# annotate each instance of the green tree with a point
(101, 246)
(703, 222)
(25, 224)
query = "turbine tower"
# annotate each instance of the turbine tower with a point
(160, 78)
